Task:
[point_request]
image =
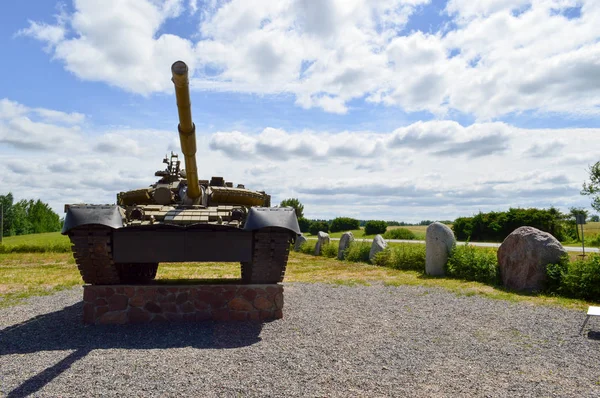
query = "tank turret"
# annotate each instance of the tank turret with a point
(180, 218)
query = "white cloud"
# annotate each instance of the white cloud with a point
(502, 56)
(50, 115)
(437, 169)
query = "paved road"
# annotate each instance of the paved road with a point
(482, 244)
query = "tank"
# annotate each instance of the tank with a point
(181, 218)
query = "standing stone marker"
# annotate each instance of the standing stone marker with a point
(378, 245)
(322, 239)
(345, 241)
(300, 240)
(523, 257)
(439, 240)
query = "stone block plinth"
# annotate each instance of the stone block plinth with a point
(105, 304)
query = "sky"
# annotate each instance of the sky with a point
(374, 109)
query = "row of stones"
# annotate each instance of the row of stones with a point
(379, 244)
(131, 304)
(522, 257)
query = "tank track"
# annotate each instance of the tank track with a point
(92, 249)
(270, 250)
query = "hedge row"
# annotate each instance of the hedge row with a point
(495, 226)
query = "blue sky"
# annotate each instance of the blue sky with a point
(405, 110)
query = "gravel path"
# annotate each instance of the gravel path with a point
(333, 341)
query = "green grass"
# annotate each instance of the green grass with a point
(35, 274)
(24, 275)
(51, 242)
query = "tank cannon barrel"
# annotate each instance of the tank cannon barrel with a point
(187, 129)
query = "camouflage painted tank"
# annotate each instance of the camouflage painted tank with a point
(181, 218)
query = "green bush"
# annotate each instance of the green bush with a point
(329, 250)
(400, 233)
(581, 279)
(375, 227)
(317, 226)
(304, 224)
(554, 274)
(473, 264)
(344, 224)
(409, 257)
(308, 247)
(405, 257)
(358, 252)
(383, 258)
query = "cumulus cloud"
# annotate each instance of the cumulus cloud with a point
(546, 149)
(391, 175)
(441, 138)
(38, 128)
(500, 57)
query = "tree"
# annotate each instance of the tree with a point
(317, 226)
(295, 203)
(573, 212)
(592, 188)
(344, 224)
(304, 224)
(28, 216)
(7, 208)
(374, 227)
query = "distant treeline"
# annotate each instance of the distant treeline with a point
(348, 224)
(27, 217)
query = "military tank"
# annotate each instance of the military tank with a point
(181, 219)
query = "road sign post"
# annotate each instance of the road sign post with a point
(580, 219)
(1, 222)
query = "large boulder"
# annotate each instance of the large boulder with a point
(439, 240)
(378, 245)
(345, 241)
(523, 257)
(322, 240)
(300, 240)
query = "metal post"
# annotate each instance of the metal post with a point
(582, 242)
(1, 221)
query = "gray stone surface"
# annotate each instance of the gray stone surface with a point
(300, 240)
(378, 245)
(348, 341)
(345, 241)
(322, 239)
(439, 240)
(523, 257)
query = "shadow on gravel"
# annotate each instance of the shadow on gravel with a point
(64, 330)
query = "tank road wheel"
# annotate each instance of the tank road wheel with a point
(92, 249)
(137, 273)
(270, 249)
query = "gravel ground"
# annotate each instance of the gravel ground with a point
(333, 341)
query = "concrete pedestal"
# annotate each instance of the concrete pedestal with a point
(121, 304)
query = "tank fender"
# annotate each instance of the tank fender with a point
(262, 217)
(78, 215)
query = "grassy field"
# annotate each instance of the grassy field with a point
(418, 230)
(36, 243)
(34, 274)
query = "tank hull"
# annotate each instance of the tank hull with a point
(107, 251)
